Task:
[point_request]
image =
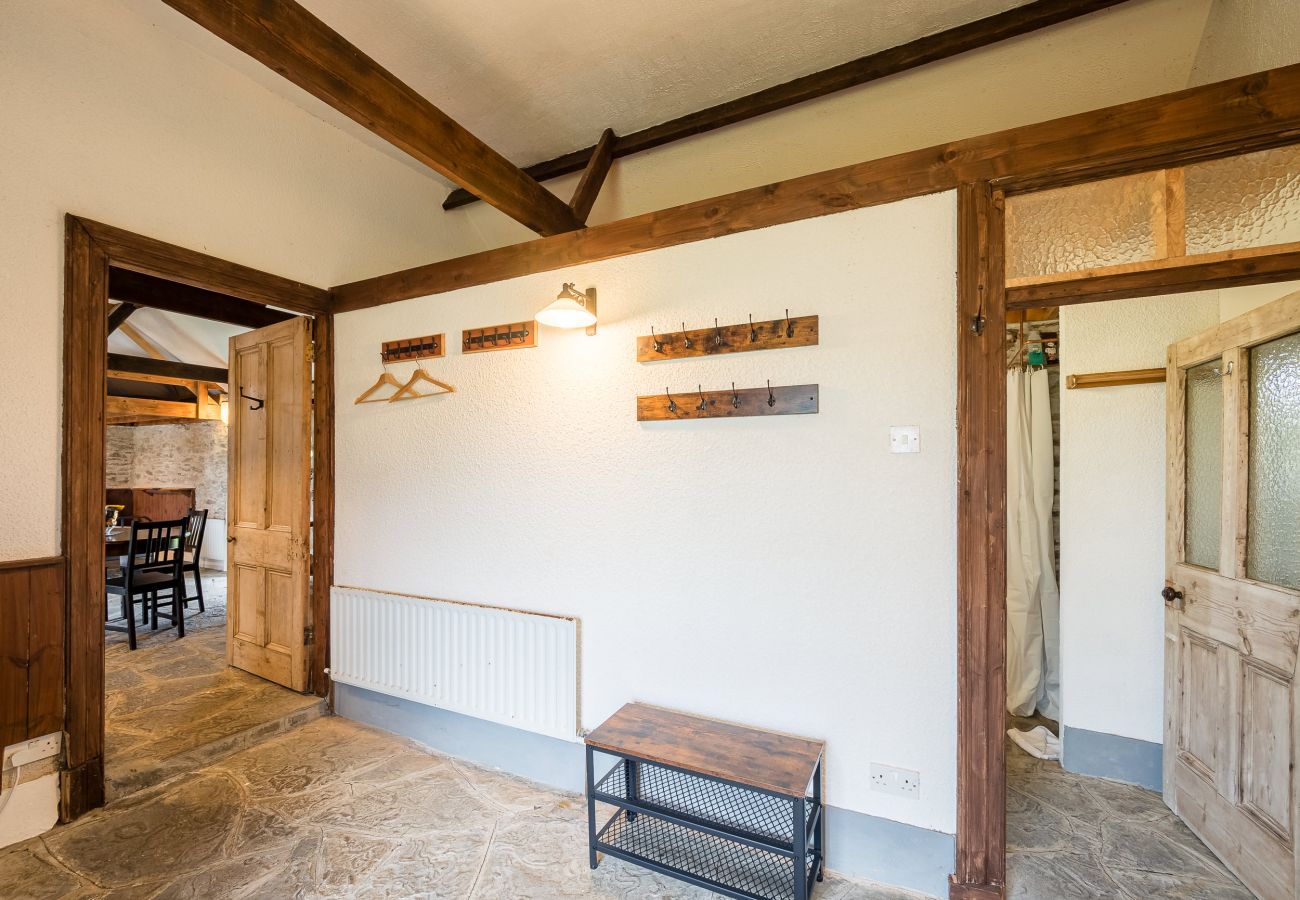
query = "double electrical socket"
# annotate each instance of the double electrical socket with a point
(31, 751)
(896, 781)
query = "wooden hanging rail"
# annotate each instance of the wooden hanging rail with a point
(1116, 379)
(801, 331)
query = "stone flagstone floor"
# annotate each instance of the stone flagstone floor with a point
(1071, 837)
(337, 809)
(173, 705)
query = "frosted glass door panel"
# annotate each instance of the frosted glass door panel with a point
(1204, 464)
(1243, 201)
(1273, 521)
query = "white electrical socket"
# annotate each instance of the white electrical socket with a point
(31, 751)
(896, 781)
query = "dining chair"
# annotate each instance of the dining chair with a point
(198, 523)
(153, 564)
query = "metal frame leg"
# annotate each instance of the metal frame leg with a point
(591, 807)
(632, 774)
(819, 835)
(800, 832)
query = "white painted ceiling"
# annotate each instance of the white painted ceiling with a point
(180, 338)
(537, 79)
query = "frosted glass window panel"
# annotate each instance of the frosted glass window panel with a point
(1273, 512)
(1085, 226)
(1204, 439)
(1244, 201)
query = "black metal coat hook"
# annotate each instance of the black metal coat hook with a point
(672, 404)
(789, 326)
(253, 401)
(699, 389)
(659, 345)
(717, 333)
(753, 335)
(685, 339)
(771, 399)
(735, 398)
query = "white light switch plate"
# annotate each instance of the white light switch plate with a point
(904, 439)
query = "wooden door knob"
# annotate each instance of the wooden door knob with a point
(230, 539)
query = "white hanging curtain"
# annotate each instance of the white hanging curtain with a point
(1033, 600)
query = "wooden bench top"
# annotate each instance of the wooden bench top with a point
(772, 762)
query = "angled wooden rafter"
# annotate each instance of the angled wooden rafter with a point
(287, 38)
(118, 315)
(1014, 22)
(593, 177)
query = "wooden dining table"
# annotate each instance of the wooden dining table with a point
(117, 540)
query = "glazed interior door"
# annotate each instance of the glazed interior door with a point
(269, 500)
(1232, 615)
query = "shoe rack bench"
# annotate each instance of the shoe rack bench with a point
(731, 809)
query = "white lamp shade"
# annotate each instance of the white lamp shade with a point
(566, 313)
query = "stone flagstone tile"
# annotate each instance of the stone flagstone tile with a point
(27, 873)
(173, 831)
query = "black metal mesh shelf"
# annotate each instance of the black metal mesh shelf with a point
(740, 869)
(753, 813)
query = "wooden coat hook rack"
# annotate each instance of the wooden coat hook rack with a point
(515, 336)
(787, 400)
(427, 347)
(801, 331)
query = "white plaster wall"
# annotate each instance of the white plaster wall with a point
(107, 117)
(1245, 36)
(788, 572)
(1113, 512)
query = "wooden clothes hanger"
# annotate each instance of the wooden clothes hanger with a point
(383, 379)
(408, 391)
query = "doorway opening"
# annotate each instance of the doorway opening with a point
(173, 701)
(175, 634)
(1150, 659)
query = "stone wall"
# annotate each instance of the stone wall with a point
(182, 455)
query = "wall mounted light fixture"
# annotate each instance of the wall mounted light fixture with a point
(571, 309)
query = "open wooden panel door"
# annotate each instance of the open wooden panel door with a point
(268, 613)
(1232, 596)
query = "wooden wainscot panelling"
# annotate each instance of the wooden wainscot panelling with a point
(801, 331)
(732, 403)
(31, 648)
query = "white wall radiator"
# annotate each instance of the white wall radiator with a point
(515, 668)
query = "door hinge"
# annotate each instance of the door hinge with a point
(311, 351)
(308, 634)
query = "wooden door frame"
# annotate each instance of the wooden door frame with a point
(91, 248)
(980, 870)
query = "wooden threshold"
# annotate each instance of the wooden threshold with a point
(1216, 120)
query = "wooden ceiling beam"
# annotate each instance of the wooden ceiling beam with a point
(140, 365)
(138, 289)
(135, 406)
(593, 177)
(932, 48)
(165, 379)
(1215, 120)
(118, 315)
(288, 39)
